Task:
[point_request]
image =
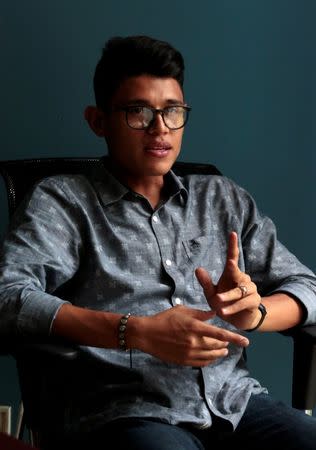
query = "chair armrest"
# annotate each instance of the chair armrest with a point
(30, 348)
(34, 360)
(48, 350)
(304, 368)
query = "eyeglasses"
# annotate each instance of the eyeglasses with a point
(142, 117)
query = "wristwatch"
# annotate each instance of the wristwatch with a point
(263, 311)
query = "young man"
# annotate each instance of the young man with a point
(159, 278)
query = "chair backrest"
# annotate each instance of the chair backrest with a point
(21, 174)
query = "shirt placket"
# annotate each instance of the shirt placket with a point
(165, 239)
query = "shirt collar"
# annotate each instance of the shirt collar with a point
(175, 186)
(110, 189)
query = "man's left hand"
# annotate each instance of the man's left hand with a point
(235, 298)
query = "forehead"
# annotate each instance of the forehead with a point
(150, 90)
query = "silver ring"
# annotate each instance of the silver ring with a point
(243, 290)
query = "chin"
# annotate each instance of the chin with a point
(159, 168)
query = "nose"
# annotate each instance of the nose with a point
(157, 125)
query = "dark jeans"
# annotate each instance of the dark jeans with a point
(266, 424)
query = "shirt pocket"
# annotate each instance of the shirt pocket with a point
(201, 251)
(196, 254)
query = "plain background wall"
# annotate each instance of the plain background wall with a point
(250, 80)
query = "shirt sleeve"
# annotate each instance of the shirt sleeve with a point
(39, 253)
(270, 264)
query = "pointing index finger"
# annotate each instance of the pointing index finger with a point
(233, 250)
(224, 335)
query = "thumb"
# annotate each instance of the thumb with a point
(206, 282)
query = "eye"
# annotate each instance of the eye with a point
(176, 109)
(135, 109)
(172, 110)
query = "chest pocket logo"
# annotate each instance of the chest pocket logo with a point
(196, 249)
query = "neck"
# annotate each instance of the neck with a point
(151, 188)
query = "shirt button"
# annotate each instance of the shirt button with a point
(155, 219)
(168, 262)
(178, 301)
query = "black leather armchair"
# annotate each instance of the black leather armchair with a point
(31, 357)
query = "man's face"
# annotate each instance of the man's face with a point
(138, 154)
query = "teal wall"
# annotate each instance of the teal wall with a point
(250, 80)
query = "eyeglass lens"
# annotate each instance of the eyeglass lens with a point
(141, 117)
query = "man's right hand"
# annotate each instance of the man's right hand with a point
(181, 335)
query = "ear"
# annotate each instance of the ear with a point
(95, 118)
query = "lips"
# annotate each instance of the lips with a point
(158, 146)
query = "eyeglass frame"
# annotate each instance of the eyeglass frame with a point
(155, 111)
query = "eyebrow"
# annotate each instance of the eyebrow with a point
(140, 101)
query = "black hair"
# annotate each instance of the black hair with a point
(124, 57)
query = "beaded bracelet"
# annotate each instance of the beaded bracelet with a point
(122, 329)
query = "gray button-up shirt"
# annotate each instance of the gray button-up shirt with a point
(92, 242)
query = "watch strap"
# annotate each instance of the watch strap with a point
(263, 311)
